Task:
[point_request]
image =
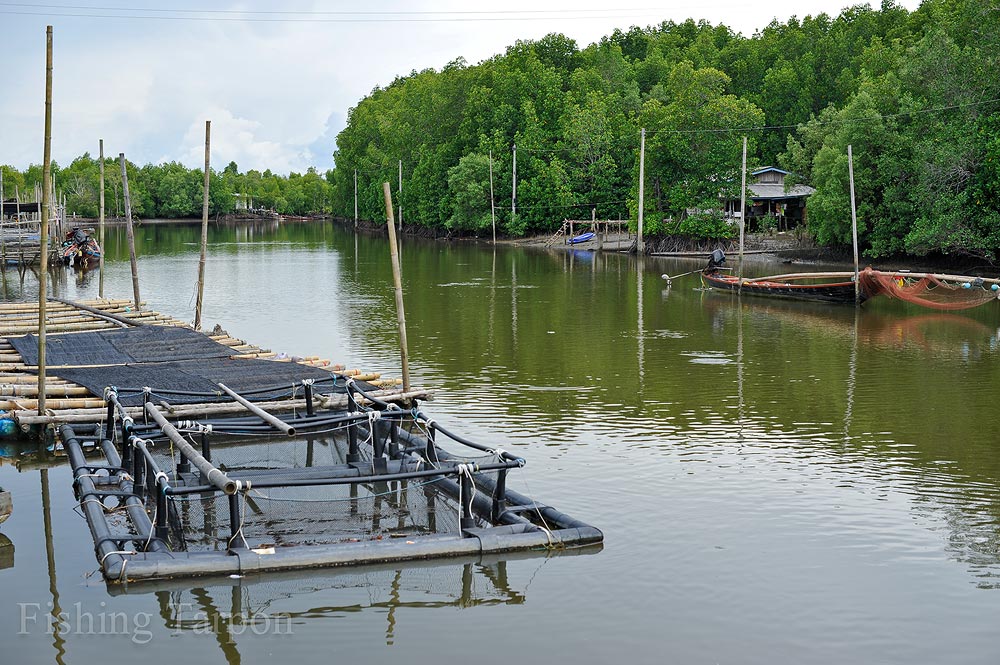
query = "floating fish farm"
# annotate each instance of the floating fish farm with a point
(196, 455)
(369, 484)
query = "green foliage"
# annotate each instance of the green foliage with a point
(710, 224)
(172, 190)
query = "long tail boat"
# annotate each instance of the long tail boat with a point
(936, 291)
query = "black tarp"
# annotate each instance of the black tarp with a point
(145, 344)
(173, 360)
(245, 376)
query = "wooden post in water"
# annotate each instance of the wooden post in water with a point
(129, 232)
(493, 209)
(743, 208)
(355, 199)
(3, 223)
(640, 245)
(854, 225)
(100, 236)
(513, 191)
(398, 282)
(43, 238)
(204, 229)
(400, 220)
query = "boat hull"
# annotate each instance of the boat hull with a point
(829, 292)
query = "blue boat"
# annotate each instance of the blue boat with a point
(583, 237)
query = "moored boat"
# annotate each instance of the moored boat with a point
(79, 249)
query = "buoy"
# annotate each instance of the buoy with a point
(967, 285)
(7, 425)
(994, 287)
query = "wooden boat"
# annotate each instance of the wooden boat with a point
(795, 287)
(935, 291)
(79, 248)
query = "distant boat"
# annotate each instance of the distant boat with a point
(79, 249)
(583, 237)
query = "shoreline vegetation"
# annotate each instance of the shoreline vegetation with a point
(915, 94)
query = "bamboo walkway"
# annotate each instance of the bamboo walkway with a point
(67, 402)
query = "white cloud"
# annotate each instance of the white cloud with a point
(272, 89)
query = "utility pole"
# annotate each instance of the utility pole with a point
(640, 246)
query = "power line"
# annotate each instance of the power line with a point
(235, 16)
(311, 12)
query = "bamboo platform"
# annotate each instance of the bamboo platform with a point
(67, 402)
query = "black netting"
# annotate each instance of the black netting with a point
(302, 515)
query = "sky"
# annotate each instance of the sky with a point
(276, 79)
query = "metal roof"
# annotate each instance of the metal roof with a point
(777, 191)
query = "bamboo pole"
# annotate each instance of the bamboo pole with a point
(854, 226)
(640, 245)
(204, 229)
(743, 206)
(271, 420)
(44, 231)
(398, 281)
(100, 241)
(3, 223)
(513, 192)
(355, 199)
(493, 208)
(129, 232)
(400, 220)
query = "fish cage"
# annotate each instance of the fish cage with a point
(234, 496)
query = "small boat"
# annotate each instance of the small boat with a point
(816, 287)
(583, 237)
(934, 291)
(79, 249)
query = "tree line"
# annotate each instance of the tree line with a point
(915, 93)
(171, 190)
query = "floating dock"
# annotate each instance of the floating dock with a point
(201, 455)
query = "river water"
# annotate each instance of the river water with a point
(776, 482)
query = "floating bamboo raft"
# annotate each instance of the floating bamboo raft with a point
(68, 402)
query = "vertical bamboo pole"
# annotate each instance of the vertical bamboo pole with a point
(493, 208)
(640, 245)
(398, 282)
(743, 207)
(400, 196)
(204, 228)
(100, 236)
(43, 238)
(854, 224)
(513, 192)
(355, 199)
(3, 223)
(129, 232)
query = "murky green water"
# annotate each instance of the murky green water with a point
(777, 482)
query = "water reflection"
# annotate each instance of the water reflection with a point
(277, 603)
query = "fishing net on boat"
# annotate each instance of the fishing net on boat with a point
(927, 290)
